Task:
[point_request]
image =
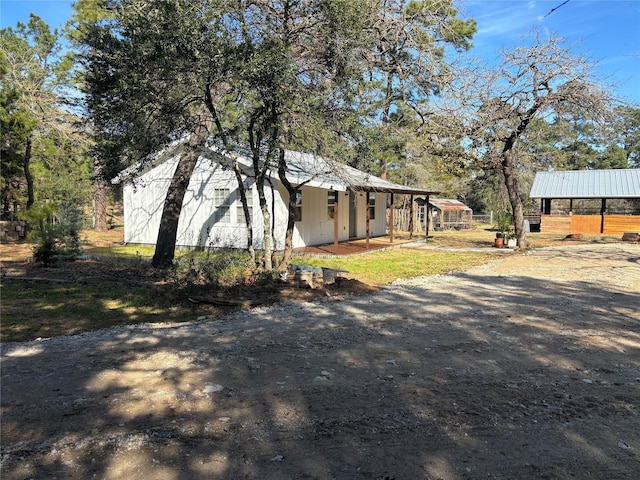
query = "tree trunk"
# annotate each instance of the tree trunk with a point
(260, 172)
(291, 218)
(266, 226)
(514, 196)
(100, 198)
(236, 170)
(245, 209)
(168, 232)
(27, 175)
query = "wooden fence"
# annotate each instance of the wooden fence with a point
(607, 224)
(401, 220)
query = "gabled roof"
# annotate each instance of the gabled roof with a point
(620, 183)
(302, 169)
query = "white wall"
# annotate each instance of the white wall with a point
(144, 200)
(377, 226)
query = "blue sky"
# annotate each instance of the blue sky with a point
(609, 29)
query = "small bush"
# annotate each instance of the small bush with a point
(46, 252)
(222, 268)
(57, 234)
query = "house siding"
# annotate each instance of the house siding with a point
(200, 226)
(377, 226)
(197, 227)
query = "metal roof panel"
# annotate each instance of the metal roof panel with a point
(448, 204)
(302, 169)
(619, 183)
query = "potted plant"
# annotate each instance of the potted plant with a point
(504, 224)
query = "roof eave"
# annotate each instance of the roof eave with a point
(400, 190)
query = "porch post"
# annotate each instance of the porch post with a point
(603, 210)
(368, 219)
(391, 220)
(411, 216)
(335, 219)
(427, 214)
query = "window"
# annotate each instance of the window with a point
(221, 203)
(240, 211)
(298, 208)
(331, 203)
(372, 206)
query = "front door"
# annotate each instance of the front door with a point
(353, 215)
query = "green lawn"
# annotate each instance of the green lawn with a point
(43, 309)
(384, 267)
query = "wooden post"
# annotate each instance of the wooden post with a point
(603, 210)
(368, 219)
(411, 217)
(336, 207)
(391, 220)
(427, 214)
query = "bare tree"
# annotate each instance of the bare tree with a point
(495, 107)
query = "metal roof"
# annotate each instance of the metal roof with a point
(320, 172)
(619, 183)
(447, 204)
(302, 169)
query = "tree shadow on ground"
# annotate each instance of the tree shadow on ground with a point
(466, 376)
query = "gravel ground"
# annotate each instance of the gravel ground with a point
(527, 367)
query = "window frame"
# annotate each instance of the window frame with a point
(240, 220)
(297, 212)
(372, 205)
(332, 197)
(221, 205)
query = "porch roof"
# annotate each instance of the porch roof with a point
(320, 172)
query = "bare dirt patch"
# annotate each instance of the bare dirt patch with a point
(527, 367)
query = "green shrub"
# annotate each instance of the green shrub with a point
(221, 268)
(56, 233)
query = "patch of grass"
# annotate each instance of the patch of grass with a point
(120, 251)
(483, 237)
(380, 268)
(42, 309)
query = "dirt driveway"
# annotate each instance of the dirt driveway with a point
(528, 367)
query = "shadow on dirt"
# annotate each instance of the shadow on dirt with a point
(465, 377)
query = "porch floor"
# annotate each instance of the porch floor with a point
(355, 246)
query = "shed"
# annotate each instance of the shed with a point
(564, 194)
(450, 214)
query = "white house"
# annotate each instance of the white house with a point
(336, 202)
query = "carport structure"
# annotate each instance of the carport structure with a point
(575, 185)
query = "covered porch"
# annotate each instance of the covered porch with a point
(369, 242)
(355, 246)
